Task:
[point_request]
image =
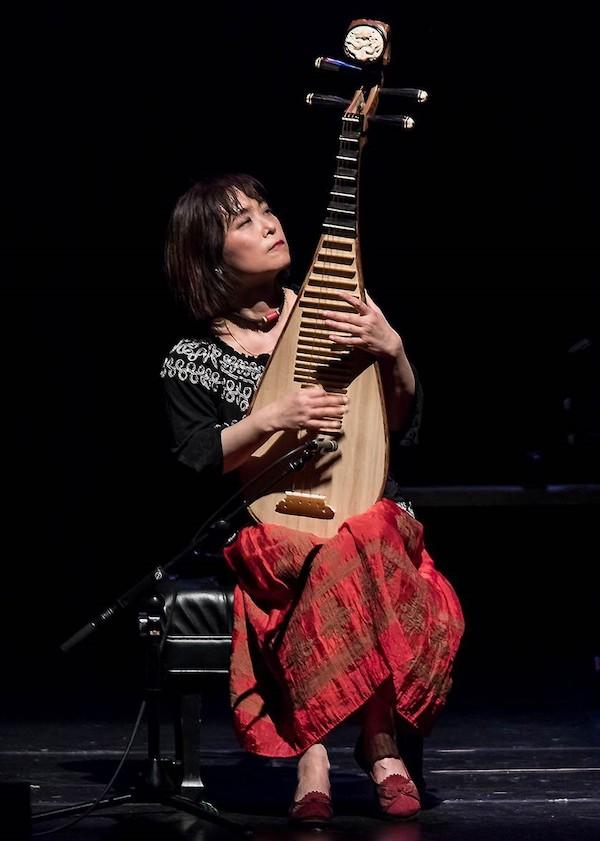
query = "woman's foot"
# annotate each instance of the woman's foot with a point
(383, 768)
(312, 803)
(377, 753)
(397, 796)
(313, 772)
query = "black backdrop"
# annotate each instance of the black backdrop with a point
(478, 239)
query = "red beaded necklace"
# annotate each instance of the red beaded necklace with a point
(263, 323)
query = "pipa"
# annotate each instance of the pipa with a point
(334, 485)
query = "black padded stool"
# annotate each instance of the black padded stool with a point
(197, 645)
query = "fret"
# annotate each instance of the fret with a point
(323, 354)
(341, 203)
(345, 202)
(332, 373)
(326, 297)
(334, 282)
(335, 257)
(346, 172)
(341, 210)
(341, 230)
(337, 370)
(323, 373)
(316, 357)
(342, 306)
(323, 378)
(315, 334)
(315, 328)
(325, 358)
(310, 341)
(328, 354)
(334, 244)
(335, 223)
(306, 381)
(333, 271)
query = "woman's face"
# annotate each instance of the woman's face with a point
(255, 246)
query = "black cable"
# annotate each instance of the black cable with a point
(309, 448)
(240, 491)
(124, 755)
(107, 788)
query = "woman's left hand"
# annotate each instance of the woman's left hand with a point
(368, 328)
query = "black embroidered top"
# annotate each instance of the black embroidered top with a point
(209, 385)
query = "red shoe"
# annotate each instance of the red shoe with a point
(398, 798)
(314, 809)
(397, 795)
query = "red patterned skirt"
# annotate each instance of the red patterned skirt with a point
(319, 626)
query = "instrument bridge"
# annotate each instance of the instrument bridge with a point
(303, 504)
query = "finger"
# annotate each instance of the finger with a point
(331, 412)
(371, 302)
(343, 338)
(320, 424)
(342, 320)
(335, 413)
(313, 389)
(356, 302)
(340, 337)
(329, 399)
(349, 340)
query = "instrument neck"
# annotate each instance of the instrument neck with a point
(341, 219)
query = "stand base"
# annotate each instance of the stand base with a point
(153, 789)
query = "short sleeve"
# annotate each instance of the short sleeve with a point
(192, 414)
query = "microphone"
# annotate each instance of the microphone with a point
(324, 445)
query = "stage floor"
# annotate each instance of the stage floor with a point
(519, 774)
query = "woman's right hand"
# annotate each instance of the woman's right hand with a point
(311, 408)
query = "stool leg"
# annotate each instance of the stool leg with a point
(187, 741)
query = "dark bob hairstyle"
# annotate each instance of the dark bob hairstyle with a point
(194, 247)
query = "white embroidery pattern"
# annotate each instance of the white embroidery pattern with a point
(234, 377)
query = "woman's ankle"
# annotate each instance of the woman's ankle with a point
(378, 745)
(313, 771)
(314, 757)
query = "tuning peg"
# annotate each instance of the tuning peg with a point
(394, 119)
(415, 94)
(327, 101)
(323, 63)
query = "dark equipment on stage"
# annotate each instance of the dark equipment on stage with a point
(156, 784)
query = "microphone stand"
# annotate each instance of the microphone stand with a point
(155, 786)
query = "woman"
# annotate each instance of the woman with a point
(294, 675)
